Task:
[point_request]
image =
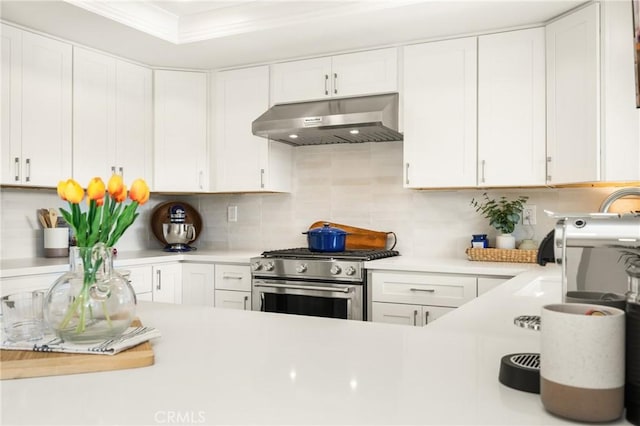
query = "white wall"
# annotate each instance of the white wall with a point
(359, 185)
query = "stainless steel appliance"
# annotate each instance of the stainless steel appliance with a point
(299, 281)
(345, 120)
(177, 233)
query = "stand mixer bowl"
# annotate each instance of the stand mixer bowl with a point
(178, 233)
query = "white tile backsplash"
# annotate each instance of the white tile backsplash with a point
(354, 184)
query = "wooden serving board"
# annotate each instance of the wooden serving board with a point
(23, 364)
(358, 238)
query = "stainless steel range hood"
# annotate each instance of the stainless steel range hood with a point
(347, 120)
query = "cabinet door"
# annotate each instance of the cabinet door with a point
(233, 277)
(167, 283)
(395, 313)
(241, 96)
(198, 284)
(511, 108)
(140, 278)
(374, 71)
(134, 122)
(573, 110)
(228, 299)
(432, 313)
(94, 118)
(301, 80)
(486, 284)
(440, 91)
(11, 105)
(180, 131)
(27, 283)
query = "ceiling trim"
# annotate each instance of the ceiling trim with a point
(245, 17)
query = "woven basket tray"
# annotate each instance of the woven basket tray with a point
(502, 255)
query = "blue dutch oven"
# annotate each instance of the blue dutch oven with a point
(326, 238)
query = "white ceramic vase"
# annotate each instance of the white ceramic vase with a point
(505, 241)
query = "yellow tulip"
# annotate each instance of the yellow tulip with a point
(96, 189)
(72, 192)
(116, 186)
(139, 191)
(61, 186)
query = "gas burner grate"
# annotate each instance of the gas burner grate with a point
(305, 253)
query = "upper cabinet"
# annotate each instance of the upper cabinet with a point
(242, 161)
(181, 161)
(573, 107)
(362, 73)
(112, 118)
(474, 111)
(440, 93)
(511, 109)
(36, 109)
(592, 120)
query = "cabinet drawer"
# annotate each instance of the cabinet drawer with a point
(233, 277)
(423, 289)
(398, 313)
(233, 300)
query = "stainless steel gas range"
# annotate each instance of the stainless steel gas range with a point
(302, 282)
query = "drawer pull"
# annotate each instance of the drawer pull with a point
(426, 290)
(415, 317)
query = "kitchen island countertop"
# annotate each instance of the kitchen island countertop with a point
(216, 366)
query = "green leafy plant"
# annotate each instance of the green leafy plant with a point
(502, 213)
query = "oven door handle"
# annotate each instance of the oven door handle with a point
(306, 287)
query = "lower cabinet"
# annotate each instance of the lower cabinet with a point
(398, 313)
(198, 284)
(167, 282)
(141, 279)
(233, 287)
(17, 284)
(419, 298)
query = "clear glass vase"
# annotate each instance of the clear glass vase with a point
(91, 302)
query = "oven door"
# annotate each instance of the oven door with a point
(321, 299)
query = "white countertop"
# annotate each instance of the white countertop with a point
(235, 367)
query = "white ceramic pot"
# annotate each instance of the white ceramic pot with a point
(505, 241)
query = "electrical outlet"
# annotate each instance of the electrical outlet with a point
(232, 214)
(529, 215)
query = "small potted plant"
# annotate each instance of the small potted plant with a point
(503, 215)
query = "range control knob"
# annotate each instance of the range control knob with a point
(350, 270)
(269, 266)
(301, 268)
(256, 266)
(335, 270)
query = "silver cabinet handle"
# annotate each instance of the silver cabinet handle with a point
(426, 318)
(27, 171)
(335, 83)
(261, 178)
(159, 284)
(246, 298)
(113, 170)
(426, 290)
(305, 287)
(406, 173)
(326, 84)
(121, 171)
(16, 163)
(200, 174)
(548, 169)
(232, 277)
(415, 317)
(482, 166)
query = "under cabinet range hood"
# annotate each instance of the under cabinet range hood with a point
(346, 120)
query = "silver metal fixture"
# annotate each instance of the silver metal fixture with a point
(615, 196)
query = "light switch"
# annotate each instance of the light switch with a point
(232, 213)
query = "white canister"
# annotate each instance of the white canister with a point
(582, 361)
(56, 242)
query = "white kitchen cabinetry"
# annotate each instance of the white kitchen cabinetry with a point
(417, 298)
(141, 279)
(17, 284)
(573, 92)
(198, 284)
(167, 283)
(489, 283)
(242, 161)
(181, 161)
(36, 109)
(475, 97)
(440, 93)
(233, 287)
(511, 109)
(362, 73)
(112, 118)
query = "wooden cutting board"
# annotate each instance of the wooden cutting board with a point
(23, 364)
(359, 238)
